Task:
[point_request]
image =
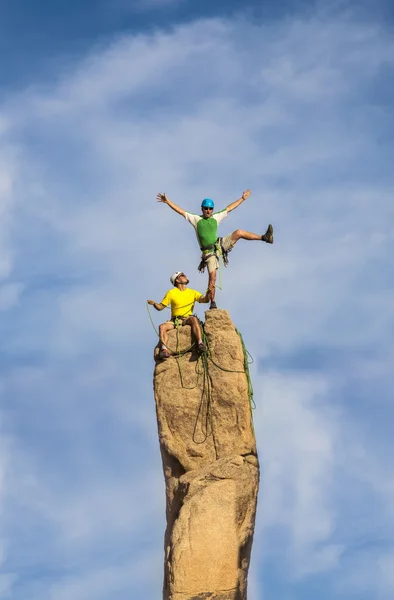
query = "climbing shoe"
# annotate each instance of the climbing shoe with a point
(212, 305)
(202, 348)
(269, 235)
(164, 353)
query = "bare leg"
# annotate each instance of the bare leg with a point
(196, 329)
(164, 328)
(240, 234)
(212, 284)
(195, 325)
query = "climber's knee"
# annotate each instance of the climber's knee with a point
(193, 322)
(164, 327)
(237, 235)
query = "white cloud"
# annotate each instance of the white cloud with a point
(386, 572)
(6, 581)
(140, 6)
(9, 295)
(8, 167)
(194, 112)
(6, 578)
(106, 582)
(298, 433)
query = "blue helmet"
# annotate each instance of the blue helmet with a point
(207, 203)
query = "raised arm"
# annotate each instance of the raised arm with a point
(233, 205)
(163, 198)
(156, 305)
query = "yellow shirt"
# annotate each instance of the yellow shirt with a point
(182, 302)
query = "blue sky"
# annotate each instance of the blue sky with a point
(102, 106)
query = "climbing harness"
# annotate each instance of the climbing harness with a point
(217, 250)
(204, 417)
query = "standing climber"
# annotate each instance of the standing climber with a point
(182, 301)
(206, 226)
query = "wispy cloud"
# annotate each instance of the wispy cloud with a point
(296, 114)
(141, 6)
(298, 475)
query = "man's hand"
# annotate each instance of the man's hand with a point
(162, 198)
(155, 305)
(208, 294)
(235, 204)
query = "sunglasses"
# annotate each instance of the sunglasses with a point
(206, 208)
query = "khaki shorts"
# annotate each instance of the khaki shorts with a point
(227, 244)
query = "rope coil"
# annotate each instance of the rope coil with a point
(202, 370)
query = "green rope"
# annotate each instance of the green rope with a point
(204, 414)
(178, 356)
(220, 273)
(204, 411)
(151, 320)
(247, 362)
(174, 352)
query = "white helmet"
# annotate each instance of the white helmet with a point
(174, 277)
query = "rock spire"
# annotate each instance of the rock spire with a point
(210, 464)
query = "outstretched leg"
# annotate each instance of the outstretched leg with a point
(240, 234)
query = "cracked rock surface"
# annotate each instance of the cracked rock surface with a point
(210, 465)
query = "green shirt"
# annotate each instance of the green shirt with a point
(206, 229)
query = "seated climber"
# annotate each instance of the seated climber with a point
(182, 301)
(206, 226)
